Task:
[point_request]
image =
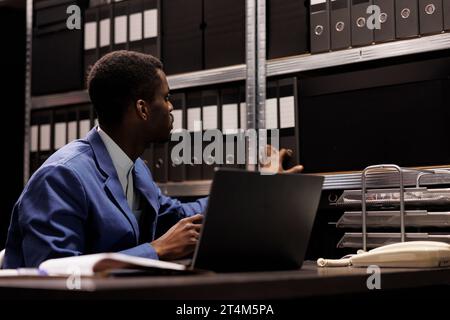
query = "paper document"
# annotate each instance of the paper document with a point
(89, 265)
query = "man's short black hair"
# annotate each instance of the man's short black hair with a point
(119, 79)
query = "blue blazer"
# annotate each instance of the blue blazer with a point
(74, 204)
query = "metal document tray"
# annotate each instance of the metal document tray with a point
(374, 240)
(391, 219)
(385, 198)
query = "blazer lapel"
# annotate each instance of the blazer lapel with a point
(112, 183)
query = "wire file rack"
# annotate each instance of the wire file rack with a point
(401, 205)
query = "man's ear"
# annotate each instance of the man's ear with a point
(143, 109)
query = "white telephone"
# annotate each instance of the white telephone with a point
(413, 254)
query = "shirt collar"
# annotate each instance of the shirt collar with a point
(121, 161)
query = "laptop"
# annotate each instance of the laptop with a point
(257, 222)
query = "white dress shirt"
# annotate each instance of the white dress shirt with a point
(124, 168)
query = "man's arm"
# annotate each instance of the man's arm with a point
(52, 217)
(52, 213)
(170, 206)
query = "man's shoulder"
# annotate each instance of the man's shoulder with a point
(77, 156)
(76, 152)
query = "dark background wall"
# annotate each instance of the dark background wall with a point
(12, 103)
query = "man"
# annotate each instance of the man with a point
(96, 194)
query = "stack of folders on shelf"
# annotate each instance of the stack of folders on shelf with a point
(287, 28)
(427, 216)
(201, 112)
(57, 51)
(341, 24)
(51, 129)
(206, 34)
(281, 114)
(120, 25)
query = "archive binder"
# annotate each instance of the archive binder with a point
(272, 111)
(90, 40)
(105, 15)
(287, 28)
(230, 125)
(160, 162)
(224, 33)
(340, 25)
(151, 27)
(135, 25)
(230, 110)
(361, 33)
(45, 148)
(72, 124)
(84, 120)
(176, 167)
(406, 18)
(386, 20)
(446, 9)
(34, 142)
(431, 16)
(242, 109)
(272, 105)
(288, 115)
(147, 157)
(194, 126)
(120, 31)
(210, 121)
(57, 66)
(59, 129)
(182, 24)
(319, 26)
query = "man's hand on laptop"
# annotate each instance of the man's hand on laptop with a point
(275, 159)
(180, 240)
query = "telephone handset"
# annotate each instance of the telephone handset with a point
(413, 254)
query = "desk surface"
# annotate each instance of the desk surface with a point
(310, 281)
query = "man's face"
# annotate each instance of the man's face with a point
(161, 119)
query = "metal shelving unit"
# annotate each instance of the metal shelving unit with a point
(28, 102)
(368, 53)
(332, 182)
(277, 67)
(181, 81)
(254, 72)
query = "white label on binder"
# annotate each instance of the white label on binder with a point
(230, 118)
(90, 35)
(150, 23)
(177, 120)
(287, 112)
(72, 131)
(105, 31)
(136, 26)
(120, 29)
(194, 119)
(34, 138)
(85, 126)
(209, 117)
(243, 115)
(60, 135)
(45, 137)
(271, 114)
(313, 2)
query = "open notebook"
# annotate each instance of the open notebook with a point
(108, 263)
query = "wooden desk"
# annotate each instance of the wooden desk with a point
(309, 282)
